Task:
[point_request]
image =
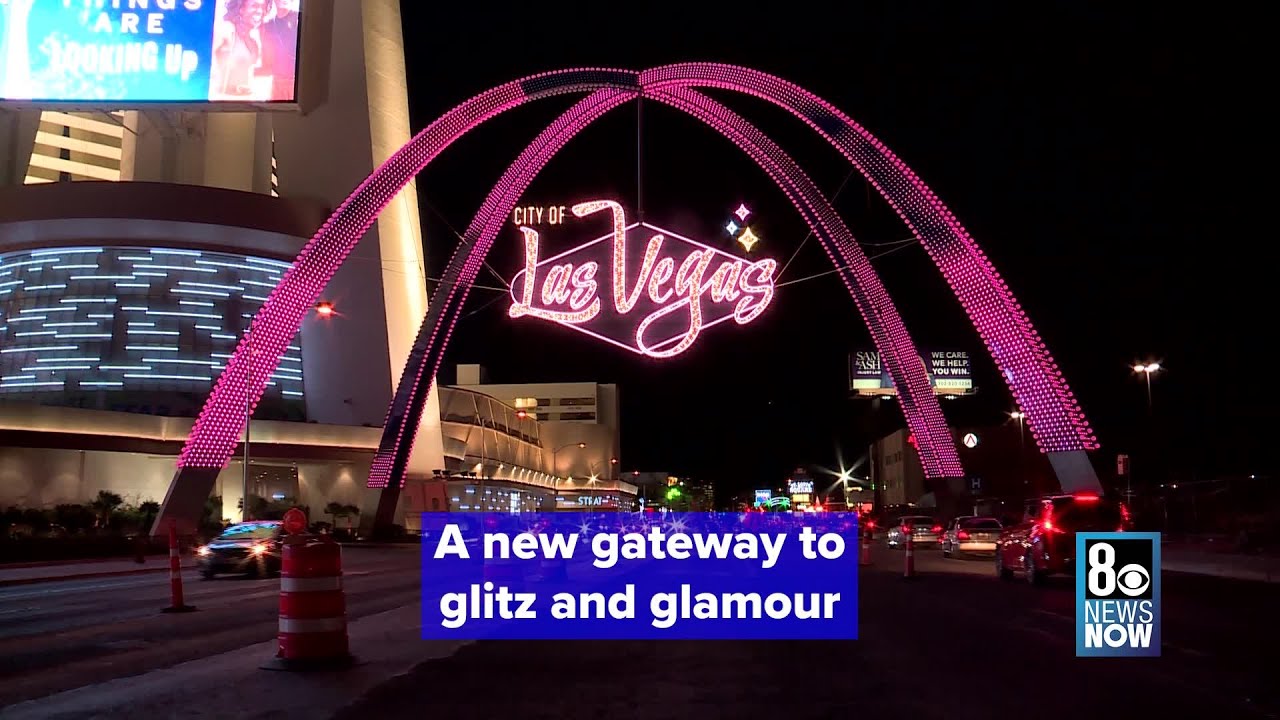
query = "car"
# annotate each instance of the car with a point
(922, 529)
(1043, 543)
(247, 548)
(971, 535)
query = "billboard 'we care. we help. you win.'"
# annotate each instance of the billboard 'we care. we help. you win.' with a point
(134, 52)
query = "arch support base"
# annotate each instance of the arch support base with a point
(1075, 471)
(184, 503)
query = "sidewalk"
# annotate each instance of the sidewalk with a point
(1178, 557)
(233, 684)
(27, 573)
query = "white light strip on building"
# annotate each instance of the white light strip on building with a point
(205, 293)
(99, 317)
(75, 267)
(28, 318)
(11, 283)
(211, 286)
(291, 393)
(10, 378)
(101, 383)
(146, 348)
(215, 328)
(106, 301)
(170, 333)
(31, 384)
(222, 336)
(137, 323)
(124, 367)
(37, 288)
(198, 316)
(101, 277)
(66, 251)
(71, 324)
(35, 333)
(258, 283)
(196, 303)
(85, 336)
(57, 367)
(44, 348)
(255, 298)
(139, 376)
(210, 271)
(290, 359)
(167, 251)
(145, 273)
(24, 311)
(235, 266)
(135, 258)
(272, 263)
(27, 263)
(204, 363)
(68, 360)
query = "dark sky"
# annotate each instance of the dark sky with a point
(1102, 156)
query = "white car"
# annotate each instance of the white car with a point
(971, 535)
(924, 531)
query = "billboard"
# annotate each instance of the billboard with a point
(128, 53)
(950, 373)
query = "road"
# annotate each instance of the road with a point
(953, 642)
(59, 635)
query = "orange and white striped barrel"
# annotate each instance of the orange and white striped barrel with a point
(313, 612)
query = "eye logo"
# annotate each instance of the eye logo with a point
(1133, 579)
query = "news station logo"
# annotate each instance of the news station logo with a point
(1117, 594)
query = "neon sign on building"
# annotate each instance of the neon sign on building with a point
(640, 287)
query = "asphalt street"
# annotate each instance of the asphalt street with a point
(953, 642)
(65, 634)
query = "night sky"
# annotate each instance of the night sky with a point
(1102, 158)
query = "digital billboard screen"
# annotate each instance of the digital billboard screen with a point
(121, 53)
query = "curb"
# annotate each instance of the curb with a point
(80, 561)
(85, 576)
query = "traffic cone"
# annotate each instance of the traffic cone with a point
(313, 612)
(176, 602)
(909, 564)
(865, 557)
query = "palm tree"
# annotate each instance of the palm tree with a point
(349, 511)
(335, 510)
(105, 504)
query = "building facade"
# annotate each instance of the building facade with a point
(578, 421)
(136, 245)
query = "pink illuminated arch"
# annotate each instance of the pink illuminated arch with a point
(1052, 413)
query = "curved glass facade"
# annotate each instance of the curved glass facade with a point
(135, 329)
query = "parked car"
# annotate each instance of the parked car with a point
(971, 535)
(922, 529)
(249, 548)
(1044, 542)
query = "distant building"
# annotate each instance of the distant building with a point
(569, 414)
(1001, 464)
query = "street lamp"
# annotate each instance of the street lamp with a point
(1147, 370)
(555, 465)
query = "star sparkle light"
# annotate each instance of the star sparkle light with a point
(748, 239)
(732, 227)
(742, 212)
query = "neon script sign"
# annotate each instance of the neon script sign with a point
(662, 289)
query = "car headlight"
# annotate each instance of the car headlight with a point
(202, 550)
(259, 549)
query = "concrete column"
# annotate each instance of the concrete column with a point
(17, 140)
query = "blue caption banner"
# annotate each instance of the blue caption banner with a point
(639, 576)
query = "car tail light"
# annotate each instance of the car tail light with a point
(1087, 497)
(1048, 526)
(906, 529)
(937, 528)
(871, 524)
(963, 535)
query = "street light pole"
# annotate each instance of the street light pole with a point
(1021, 417)
(555, 464)
(248, 417)
(1147, 370)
